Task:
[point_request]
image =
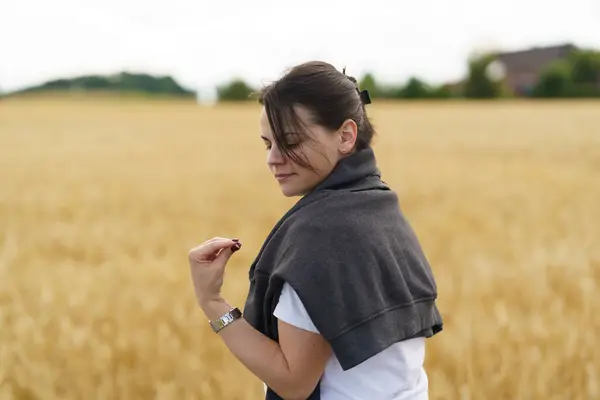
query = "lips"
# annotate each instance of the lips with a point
(281, 177)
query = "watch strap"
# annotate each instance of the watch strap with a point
(226, 319)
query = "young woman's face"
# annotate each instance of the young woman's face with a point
(322, 149)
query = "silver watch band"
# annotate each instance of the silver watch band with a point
(226, 319)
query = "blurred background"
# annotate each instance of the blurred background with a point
(128, 136)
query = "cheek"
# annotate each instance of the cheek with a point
(332, 155)
(326, 152)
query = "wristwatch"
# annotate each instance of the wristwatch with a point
(226, 319)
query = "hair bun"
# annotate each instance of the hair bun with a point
(351, 78)
(365, 98)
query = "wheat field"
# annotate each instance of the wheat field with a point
(101, 199)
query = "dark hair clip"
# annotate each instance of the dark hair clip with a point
(365, 97)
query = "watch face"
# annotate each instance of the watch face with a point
(226, 319)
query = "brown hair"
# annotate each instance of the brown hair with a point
(331, 97)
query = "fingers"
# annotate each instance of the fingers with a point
(218, 239)
(226, 253)
(216, 244)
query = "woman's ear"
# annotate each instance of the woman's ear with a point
(348, 135)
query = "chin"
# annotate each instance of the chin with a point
(290, 191)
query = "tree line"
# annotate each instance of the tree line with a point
(576, 76)
(123, 82)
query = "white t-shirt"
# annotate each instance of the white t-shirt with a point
(396, 373)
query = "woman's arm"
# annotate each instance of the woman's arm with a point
(292, 367)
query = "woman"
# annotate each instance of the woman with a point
(341, 296)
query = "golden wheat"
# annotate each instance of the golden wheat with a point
(100, 201)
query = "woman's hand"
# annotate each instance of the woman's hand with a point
(207, 267)
(291, 367)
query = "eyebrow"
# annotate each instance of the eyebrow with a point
(286, 134)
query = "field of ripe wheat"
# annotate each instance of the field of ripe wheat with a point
(100, 201)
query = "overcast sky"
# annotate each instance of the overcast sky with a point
(202, 43)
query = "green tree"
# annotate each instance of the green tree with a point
(441, 92)
(415, 89)
(554, 81)
(577, 76)
(585, 73)
(236, 90)
(479, 83)
(389, 91)
(369, 83)
(585, 66)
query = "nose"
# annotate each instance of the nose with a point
(275, 156)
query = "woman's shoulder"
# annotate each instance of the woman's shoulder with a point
(291, 310)
(336, 209)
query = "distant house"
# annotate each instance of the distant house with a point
(522, 68)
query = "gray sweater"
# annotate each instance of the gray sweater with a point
(354, 261)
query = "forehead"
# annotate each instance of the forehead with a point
(306, 125)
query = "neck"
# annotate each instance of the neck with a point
(355, 166)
